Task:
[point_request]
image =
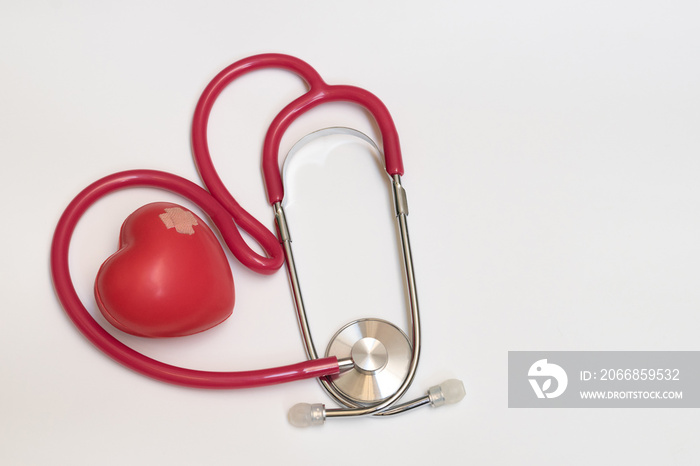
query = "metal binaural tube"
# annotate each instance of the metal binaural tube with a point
(401, 208)
(382, 408)
(302, 319)
(403, 407)
(286, 240)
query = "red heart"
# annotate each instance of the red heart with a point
(170, 276)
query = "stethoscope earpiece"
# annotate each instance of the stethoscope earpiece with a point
(369, 364)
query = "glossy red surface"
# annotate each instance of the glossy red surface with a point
(169, 277)
(319, 93)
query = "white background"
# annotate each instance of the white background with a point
(552, 158)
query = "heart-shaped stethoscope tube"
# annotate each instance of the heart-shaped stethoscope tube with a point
(226, 214)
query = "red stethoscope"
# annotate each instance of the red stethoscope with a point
(370, 363)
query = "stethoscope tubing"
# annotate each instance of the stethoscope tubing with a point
(319, 93)
(132, 359)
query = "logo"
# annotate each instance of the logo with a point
(546, 372)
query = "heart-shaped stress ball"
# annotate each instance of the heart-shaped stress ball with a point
(170, 276)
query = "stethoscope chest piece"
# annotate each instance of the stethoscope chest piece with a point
(381, 356)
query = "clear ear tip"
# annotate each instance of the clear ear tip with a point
(449, 392)
(305, 415)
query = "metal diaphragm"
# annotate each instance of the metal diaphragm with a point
(381, 355)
